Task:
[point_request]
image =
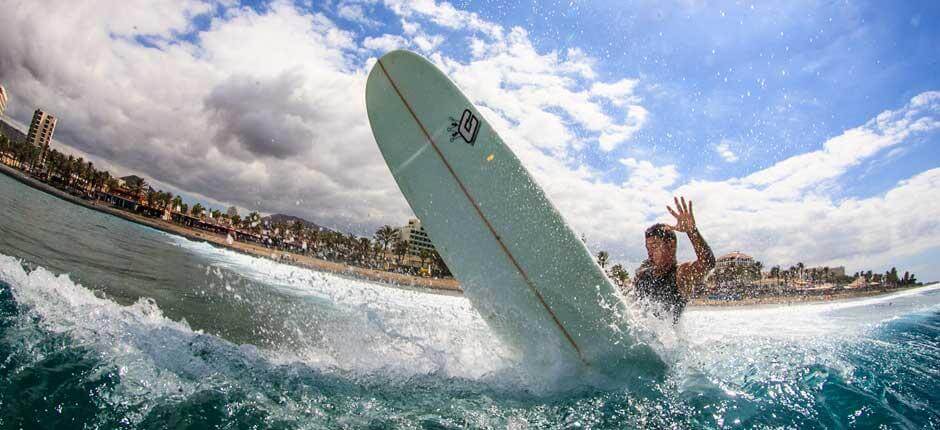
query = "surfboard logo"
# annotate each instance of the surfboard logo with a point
(466, 128)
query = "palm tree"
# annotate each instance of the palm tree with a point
(400, 248)
(297, 228)
(138, 188)
(254, 217)
(385, 234)
(198, 209)
(619, 275)
(79, 170)
(177, 202)
(424, 255)
(364, 245)
(101, 179)
(602, 258)
(151, 197)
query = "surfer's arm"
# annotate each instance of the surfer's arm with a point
(693, 273)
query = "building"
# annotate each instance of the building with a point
(4, 98)
(40, 132)
(131, 181)
(416, 237)
(734, 260)
(736, 268)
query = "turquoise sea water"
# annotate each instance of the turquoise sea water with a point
(106, 324)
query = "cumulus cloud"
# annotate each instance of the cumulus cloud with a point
(723, 149)
(265, 109)
(385, 43)
(229, 117)
(644, 174)
(546, 93)
(268, 119)
(356, 13)
(788, 212)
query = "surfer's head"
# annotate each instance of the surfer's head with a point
(661, 245)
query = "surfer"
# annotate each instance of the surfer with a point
(660, 279)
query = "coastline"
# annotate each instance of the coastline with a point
(391, 279)
(218, 240)
(800, 300)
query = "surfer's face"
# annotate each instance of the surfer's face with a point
(661, 251)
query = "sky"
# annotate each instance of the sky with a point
(803, 131)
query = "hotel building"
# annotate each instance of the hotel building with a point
(3, 99)
(417, 238)
(40, 132)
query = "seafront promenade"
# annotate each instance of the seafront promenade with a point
(219, 240)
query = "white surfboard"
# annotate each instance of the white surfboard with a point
(520, 265)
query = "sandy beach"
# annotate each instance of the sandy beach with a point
(797, 300)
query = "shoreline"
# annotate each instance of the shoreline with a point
(801, 299)
(390, 279)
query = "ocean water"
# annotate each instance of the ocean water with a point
(107, 324)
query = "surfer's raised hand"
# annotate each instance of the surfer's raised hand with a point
(685, 220)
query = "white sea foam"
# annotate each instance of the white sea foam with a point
(700, 331)
(394, 334)
(392, 329)
(397, 334)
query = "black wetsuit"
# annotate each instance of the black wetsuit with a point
(661, 289)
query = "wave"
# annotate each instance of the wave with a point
(405, 358)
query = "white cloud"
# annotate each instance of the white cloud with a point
(428, 43)
(644, 174)
(723, 149)
(385, 43)
(546, 91)
(205, 118)
(786, 212)
(443, 14)
(795, 175)
(619, 93)
(356, 13)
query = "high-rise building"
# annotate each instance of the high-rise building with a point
(40, 132)
(3, 99)
(417, 238)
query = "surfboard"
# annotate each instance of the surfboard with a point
(519, 263)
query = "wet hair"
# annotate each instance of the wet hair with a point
(661, 231)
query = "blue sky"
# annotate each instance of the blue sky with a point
(805, 131)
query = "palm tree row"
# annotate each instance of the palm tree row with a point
(383, 250)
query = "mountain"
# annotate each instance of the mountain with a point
(290, 219)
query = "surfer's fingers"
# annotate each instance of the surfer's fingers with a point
(684, 207)
(672, 212)
(690, 208)
(678, 206)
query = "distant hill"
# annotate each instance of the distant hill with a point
(289, 219)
